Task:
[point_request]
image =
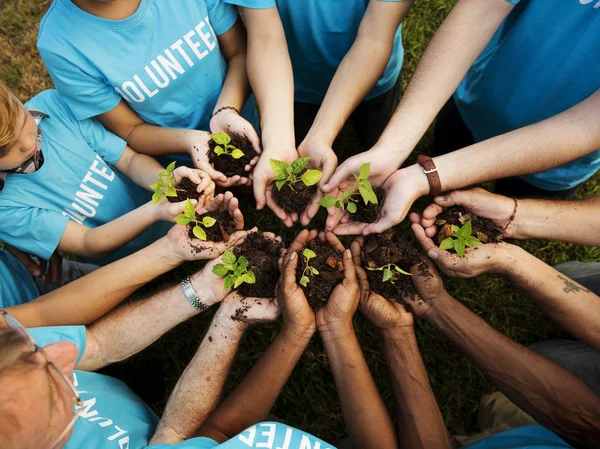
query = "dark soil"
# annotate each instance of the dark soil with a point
(186, 189)
(483, 228)
(219, 232)
(262, 255)
(296, 199)
(369, 214)
(331, 272)
(240, 314)
(386, 248)
(228, 165)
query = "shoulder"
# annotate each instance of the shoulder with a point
(51, 103)
(50, 25)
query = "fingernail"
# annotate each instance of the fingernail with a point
(348, 253)
(37, 273)
(293, 256)
(433, 254)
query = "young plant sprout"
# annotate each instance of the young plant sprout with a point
(223, 140)
(239, 272)
(165, 185)
(365, 189)
(189, 216)
(388, 273)
(461, 238)
(288, 173)
(308, 270)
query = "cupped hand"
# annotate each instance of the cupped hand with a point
(225, 202)
(297, 314)
(247, 310)
(430, 289)
(209, 287)
(198, 149)
(205, 185)
(302, 239)
(479, 201)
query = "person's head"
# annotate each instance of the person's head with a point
(36, 403)
(18, 131)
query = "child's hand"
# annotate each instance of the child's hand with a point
(225, 202)
(206, 187)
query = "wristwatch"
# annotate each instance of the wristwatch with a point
(191, 296)
(430, 170)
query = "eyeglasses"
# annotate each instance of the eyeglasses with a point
(62, 381)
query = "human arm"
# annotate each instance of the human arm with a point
(271, 77)
(38, 269)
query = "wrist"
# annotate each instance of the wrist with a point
(441, 307)
(169, 256)
(224, 319)
(414, 179)
(336, 331)
(318, 135)
(205, 294)
(398, 333)
(298, 334)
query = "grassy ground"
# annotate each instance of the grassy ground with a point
(309, 400)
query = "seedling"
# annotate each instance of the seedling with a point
(165, 185)
(308, 270)
(288, 173)
(365, 189)
(461, 238)
(223, 146)
(239, 270)
(189, 216)
(388, 272)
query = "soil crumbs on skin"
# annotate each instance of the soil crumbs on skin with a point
(240, 314)
(386, 248)
(294, 199)
(331, 272)
(483, 228)
(228, 165)
(369, 214)
(219, 232)
(186, 189)
(262, 255)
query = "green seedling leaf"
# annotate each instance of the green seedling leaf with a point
(387, 275)
(466, 230)
(304, 280)
(366, 192)
(189, 210)
(279, 184)
(313, 270)
(208, 222)
(363, 173)
(170, 167)
(250, 278)
(220, 270)
(309, 254)
(219, 151)
(455, 229)
(238, 281)
(400, 270)
(221, 138)
(229, 257)
(171, 191)
(311, 177)
(199, 232)
(279, 168)
(352, 207)
(299, 164)
(156, 186)
(182, 220)
(243, 263)
(447, 243)
(237, 153)
(346, 195)
(459, 247)
(472, 241)
(229, 281)
(156, 197)
(328, 201)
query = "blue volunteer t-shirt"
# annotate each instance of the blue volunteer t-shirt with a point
(76, 182)
(542, 60)
(319, 34)
(533, 436)
(164, 60)
(16, 284)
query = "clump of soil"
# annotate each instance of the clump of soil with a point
(219, 232)
(330, 264)
(294, 198)
(483, 228)
(262, 255)
(369, 214)
(186, 189)
(391, 248)
(240, 313)
(228, 165)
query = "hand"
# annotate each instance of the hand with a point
(429, 286)
(388, 315)
(225, 202)
(229, 121)
(32, 266)
(401, 191)
(322, 158)
(54, 272)
(482, 203)
(201, 179)
(209, 287)
(264, 181)
(297, 314)
(248, 311)
(198, 149)
(488, 258)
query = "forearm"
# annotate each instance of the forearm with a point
(104, 289)
(419, 422)
(569, 304)
(254, 397)
(236, 87)
(532, 149)
(367, 420)
(157, 141)
(550, 394)
(200, 386)
(143, 170)
(455, 46)
(565, 221)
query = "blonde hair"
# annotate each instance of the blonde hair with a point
(10, 108)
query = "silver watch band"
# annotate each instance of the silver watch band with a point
(191, 295)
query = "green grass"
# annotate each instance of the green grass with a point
(309, 400)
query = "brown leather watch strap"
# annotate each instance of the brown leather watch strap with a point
(430, 170)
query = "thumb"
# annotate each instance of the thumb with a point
(342, 172)
(328, 170)
(349, 270)
(457, 197)
(259, 192)
(384, 223)
(289, 271)
(210, 171)
(33, 268)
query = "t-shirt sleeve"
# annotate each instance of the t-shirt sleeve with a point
(193, 443)
(48, 335)
(108, 145)
(33, 230)
(221, 15)
(82, 88)
(253, 4)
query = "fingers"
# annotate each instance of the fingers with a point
(457, 197)
(363, 282)
(300, 242)
(351, 228)
(311, 210)
(342, 172)
(424, 240)
(334, 215)
(34, 269)
(332, 239)
(260, 187)
(235, 212)
(289, 272)
(235, 180)
(55, 274)
(328, 169)
(205, 166)
(355, 248)
(430, 214)
(384, 223)
(349, 270)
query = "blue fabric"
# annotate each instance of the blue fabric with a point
(542, 60)
(266, 435)
(533, 436)
(17, 285)
(319, 34)
(76, 182)
(113, 416)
